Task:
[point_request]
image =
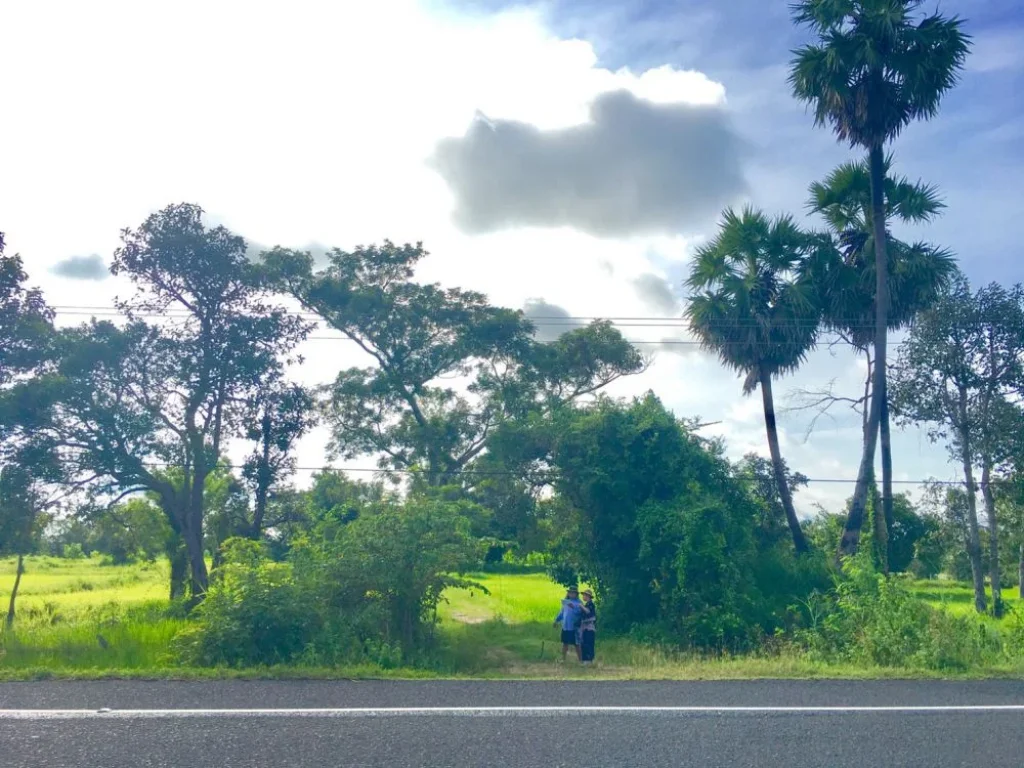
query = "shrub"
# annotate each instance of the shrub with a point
(73, 551)
(669, 532)
(254, 613)
(382, 574)
(365, 590)
(874, 619)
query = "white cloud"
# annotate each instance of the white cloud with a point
(311, 123)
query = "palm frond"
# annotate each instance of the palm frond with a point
(873, 69)
(754, 303)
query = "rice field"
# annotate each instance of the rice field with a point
(86, 618)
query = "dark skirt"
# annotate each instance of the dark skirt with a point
(587, 645)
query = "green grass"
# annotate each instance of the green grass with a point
(958, 598)
(83, 615)
(58, 590)
(83, 619)
(518, 598)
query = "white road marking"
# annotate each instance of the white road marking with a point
(507, 711)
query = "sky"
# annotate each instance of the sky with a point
(564, 156)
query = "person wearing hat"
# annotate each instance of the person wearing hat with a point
(569, 619)
(588, 627)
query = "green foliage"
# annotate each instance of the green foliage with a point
(750, 304)
(754, 307)
(22, 514)
(875, 68)
(758, 474)
(907, 529)
(873, 619)
(382, 575)
(73, 551)
(279, 414)
(845, 275)
(254, 613)
(825, 530)
(659, 522)
(119, 399)
(25, 321)
(135, 529)
(960, 367)
(416, 337)
(929, 550)
(357, 590)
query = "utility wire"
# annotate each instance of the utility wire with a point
(553, 320)
(506, 473)
(668, 323)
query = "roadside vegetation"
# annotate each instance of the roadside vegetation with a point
(123, 625)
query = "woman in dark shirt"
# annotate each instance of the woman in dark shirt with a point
(588, 627)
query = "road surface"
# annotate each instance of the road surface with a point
(471, 724)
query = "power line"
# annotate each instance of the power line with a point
(652, 321)
(507, 473)
(675, 324)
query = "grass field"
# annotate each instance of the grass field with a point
(82, 618)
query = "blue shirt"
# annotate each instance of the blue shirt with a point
(570, 614)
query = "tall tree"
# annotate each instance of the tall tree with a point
(22, 520)
(961, 369)
(26, 329)
(26, 321)
(419, 338)
(875, 68)
(172, 392)
(917, 272)
(279, 413)
(752, 306)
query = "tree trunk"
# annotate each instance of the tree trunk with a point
(14, 590)
(192, 529)
(865, 476)
(884, 525)
(1020, 572)
(880, 531)
(179, 568)
(973, 538)
(199, 580)
(855, 520)
(263, 477)
(993, 540)
(780, 474)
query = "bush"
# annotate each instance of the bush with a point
(874, 619)
(254, 613)
(73, 551)
(365, 590)
(382, 574)
(669, 532)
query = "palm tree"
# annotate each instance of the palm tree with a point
(873, 71)
(917, 273)
(751, 306)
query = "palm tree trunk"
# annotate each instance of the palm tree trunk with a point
(993, 540)
(883, 527)
(879, 394)
(799, 541)
(14, 590)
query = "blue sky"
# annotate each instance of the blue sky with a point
(974, 150)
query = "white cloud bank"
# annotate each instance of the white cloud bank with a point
(313, 122)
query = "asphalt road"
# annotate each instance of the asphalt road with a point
(384, 723)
